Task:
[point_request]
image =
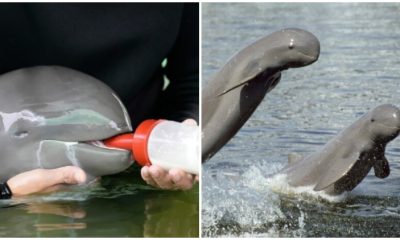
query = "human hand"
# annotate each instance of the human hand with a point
(39, 180)
(174, 179)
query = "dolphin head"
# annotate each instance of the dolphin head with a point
(54, 116)
(287, 48)
(383, 122)
(294, 48)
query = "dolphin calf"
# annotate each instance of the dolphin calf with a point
(52, 116)
(238, 88)
(347, 158)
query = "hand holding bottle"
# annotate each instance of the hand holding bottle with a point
(169, 179)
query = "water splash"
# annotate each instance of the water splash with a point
(279, 183)
(249, 208)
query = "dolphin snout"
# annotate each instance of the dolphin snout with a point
(304, 47)
(390, 115)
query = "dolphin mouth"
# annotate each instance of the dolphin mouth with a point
(312, 58)
(92, 156)
(308, 59)
(100, 144)
(396, 132)
(386, 126)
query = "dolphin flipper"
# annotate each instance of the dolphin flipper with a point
(381, 167)
(336, 171)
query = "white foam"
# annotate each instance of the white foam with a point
(252, 199)
(247, 200)
(279, 183)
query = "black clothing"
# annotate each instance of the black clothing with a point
(5, 191)
(121, 44)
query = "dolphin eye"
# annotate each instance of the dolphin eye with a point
(372, 120)
(21, 134)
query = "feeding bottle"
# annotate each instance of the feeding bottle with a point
(167, 144)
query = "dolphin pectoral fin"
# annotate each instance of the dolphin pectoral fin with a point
(230, 88)
(335, 171)
(271, 82)
(294, 157)
(381, 167)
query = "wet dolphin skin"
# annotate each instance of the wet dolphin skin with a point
(229, 99)
(52, 116)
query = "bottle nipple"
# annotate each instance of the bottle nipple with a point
(135, 142)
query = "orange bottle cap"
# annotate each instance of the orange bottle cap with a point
(136, 143)
(140, 140)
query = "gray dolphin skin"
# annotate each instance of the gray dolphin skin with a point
(347, 158)
(238, 88)
(52, 116)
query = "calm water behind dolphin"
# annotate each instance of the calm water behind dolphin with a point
(358, 69)
(118, 206)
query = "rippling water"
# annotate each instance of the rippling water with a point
(358, 69)
(118, 206)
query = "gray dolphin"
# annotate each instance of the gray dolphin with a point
(52, 116)
(347, 158)
(238, 88)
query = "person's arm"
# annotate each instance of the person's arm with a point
(40, 180)
(180, 100)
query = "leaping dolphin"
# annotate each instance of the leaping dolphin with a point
(238, 88)
(347, 158)
(53, 116)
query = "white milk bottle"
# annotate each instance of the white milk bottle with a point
(167, 144)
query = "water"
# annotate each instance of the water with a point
(117, 206)
(358, 69)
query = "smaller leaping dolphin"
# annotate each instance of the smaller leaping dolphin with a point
(347, 158)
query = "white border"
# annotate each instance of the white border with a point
(200, 118)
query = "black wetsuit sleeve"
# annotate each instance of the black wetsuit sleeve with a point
(181, 98)
(5, 191)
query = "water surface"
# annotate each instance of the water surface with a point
(118, 206)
